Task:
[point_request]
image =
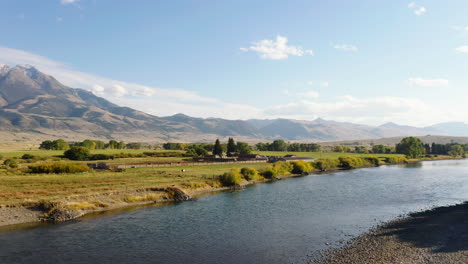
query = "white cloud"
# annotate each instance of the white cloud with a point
(324, 84)
(418, 10)
(277, 49)
(346, 47)
(428, 82)
(67, 2)
(462, 49)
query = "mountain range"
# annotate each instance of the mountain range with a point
(35, 106)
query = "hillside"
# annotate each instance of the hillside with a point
(35, 106)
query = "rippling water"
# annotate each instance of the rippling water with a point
(281, 222)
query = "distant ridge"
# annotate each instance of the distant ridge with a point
(35, 105)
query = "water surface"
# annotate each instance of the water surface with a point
(281, 222)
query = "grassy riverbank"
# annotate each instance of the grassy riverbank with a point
(434, 236)
(22, 193)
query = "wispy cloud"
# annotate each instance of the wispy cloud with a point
(418, 10)
(346, 47)
(462, 49)
(428, 82)
(67, 2)
(277, 49)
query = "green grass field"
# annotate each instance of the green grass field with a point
(323, 155)
(33, 188)
(18, 187)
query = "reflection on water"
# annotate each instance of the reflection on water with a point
(282, 222)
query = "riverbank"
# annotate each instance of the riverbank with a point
(434, 236)
(79, 195)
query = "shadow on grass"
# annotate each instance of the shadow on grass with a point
(443, 229)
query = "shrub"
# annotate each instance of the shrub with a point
(300, 166)
(282, 167)
(101, 157)
(395, 160)
(326, 164)
(77, 153)
(27, 156)
(249, 174)
(1, 157)
(231, 178)
(372, 160)
(351, 162)
(269, 173)
(59, 168)
(11, 163)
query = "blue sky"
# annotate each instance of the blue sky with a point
(361, 61)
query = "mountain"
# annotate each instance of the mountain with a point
(35, 106)
(452, 128)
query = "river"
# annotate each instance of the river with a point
(280, 222)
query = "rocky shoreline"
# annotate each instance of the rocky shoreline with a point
(438, 235)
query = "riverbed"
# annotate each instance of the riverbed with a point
(282, 222)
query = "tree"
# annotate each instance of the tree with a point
(217, 149)
(133, 145)
(456, 150)
(77, 153)
(279, 145)
(243, 148)
(89, 144)
(412, 147)
(231, 147)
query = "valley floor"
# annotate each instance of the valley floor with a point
(434, 236)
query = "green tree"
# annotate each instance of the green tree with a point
(47, 144)
(412, 147)
(77, 153)
(243, 148)
(89, 144)
(60, 144)
(231, 147)
(456, 150)
(217, 149)
(279, 145)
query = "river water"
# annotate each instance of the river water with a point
(280, 222)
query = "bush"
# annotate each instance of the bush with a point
(1, 157)
(373, 160)
(77, 153)
(59, 168)
(351, 162)
(326, 164)
(11, 163)
(231, 178)
(282, 167)
(395, 160)
(269, 173)
(249, 174)
(101, 157)
(27, 156)
(300, 166)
